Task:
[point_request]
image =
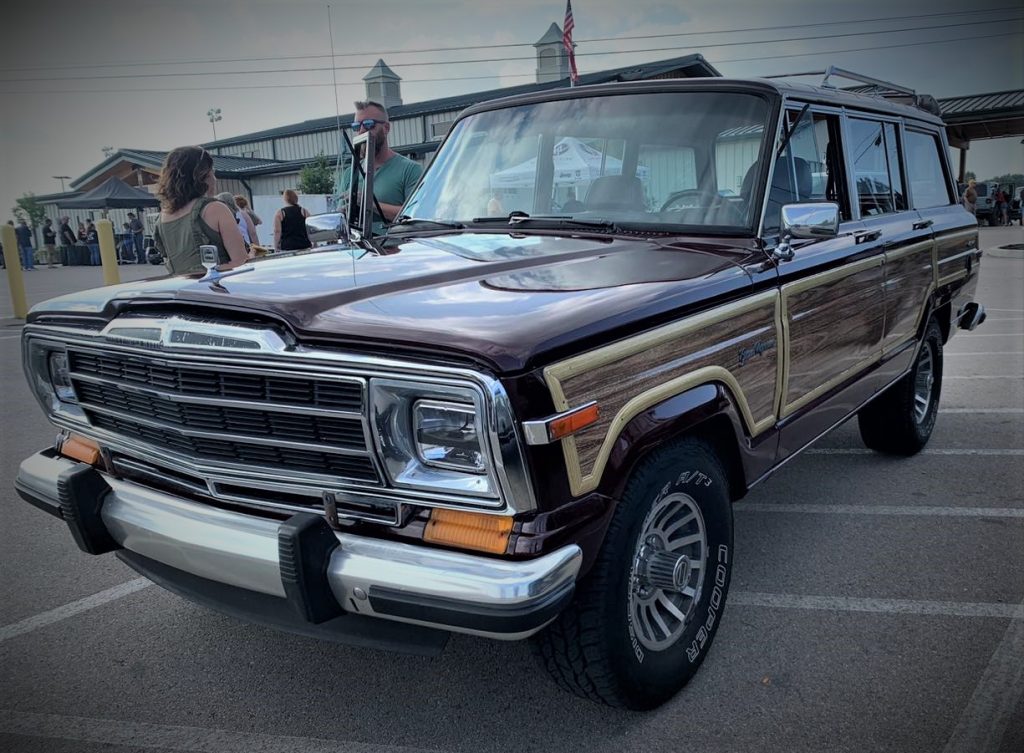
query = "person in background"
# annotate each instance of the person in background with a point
(25, 250)
(81, 232)
(137, 229)
(242, 218)
(92, 240)
(290, 225)
(67, 239)
(1001, 206)
(127, 244)
(49, 243)
(243, 203)
(394, 176)
(970, 197)
(190, 217)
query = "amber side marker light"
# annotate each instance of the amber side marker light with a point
(573, 422)
(469, 530)
(81, 449)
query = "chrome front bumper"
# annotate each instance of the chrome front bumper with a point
(369, 577)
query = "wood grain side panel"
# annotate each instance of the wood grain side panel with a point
(952, 252)
(909, 277)
(737, 347)
(835, 326)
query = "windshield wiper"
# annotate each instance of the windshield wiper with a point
(556, 220)
(404, 219)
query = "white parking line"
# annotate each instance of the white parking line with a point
(982, 410)
(881, 606)
(923, 510)
(994, 334)
(993, 705)
(10, 337)
(858, 451)
(70, 610)
(988, 376)
(135, 735)
(947, 354)
(1006, 311)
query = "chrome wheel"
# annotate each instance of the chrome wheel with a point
(924, 382)
(668, 571)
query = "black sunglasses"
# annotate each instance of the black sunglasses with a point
(369, 123)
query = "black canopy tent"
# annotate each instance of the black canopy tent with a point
(113, 193)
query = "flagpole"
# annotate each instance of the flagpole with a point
(567, 27)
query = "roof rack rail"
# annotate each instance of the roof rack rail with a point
(874, 86)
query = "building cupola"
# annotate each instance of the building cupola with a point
(552, 60)
(382, 85)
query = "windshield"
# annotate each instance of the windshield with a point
(658, 159)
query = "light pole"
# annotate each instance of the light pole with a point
(214, 115)
(61, 178)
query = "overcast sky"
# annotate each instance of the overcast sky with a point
(58, 123)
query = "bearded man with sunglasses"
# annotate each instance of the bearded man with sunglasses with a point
(394, 176)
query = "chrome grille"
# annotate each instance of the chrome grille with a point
(229, 414)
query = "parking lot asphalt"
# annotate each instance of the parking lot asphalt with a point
(877, 605)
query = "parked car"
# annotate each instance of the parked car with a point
(530, 425)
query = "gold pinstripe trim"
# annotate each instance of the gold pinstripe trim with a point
(908, 250)
(555, 374)
(953, 277)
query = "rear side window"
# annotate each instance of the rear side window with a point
(877, 173)
(928, 184)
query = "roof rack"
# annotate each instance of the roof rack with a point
(874, 86)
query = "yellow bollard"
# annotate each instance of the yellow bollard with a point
(15, 278)
(108, 252)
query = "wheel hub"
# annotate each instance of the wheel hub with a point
(660, 569)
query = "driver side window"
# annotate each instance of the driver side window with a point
(810, 169)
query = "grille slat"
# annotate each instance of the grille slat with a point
(298, 390)
(348, 466)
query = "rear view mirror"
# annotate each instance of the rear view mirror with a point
(327, 228)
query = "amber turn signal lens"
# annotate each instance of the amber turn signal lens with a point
(81, 449)
(573, 422)
(469, 530)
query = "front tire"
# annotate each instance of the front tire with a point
(644, 617)
(901, 420)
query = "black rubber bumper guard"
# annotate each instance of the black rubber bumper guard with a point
(305, 545)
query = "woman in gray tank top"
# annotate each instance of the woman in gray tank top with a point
(190, 217)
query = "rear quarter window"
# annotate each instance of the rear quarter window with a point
(928, 184)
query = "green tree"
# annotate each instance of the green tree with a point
(1015, 178)
(29, 209)
(317, 177)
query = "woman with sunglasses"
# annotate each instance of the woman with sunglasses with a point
(190, 217)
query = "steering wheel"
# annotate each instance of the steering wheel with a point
(688, 198)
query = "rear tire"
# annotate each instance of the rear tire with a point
(901, 420)
(644, 617)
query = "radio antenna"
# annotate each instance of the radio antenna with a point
(337, 107)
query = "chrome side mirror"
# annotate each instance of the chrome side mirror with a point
(817, 220)
(327, 228)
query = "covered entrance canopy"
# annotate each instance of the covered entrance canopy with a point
(113, 193)
(982, 116)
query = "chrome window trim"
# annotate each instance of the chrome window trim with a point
(506, 450)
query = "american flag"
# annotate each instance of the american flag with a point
(567, 28)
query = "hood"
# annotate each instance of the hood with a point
(510, 299)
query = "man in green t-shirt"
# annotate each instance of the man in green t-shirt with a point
(394, 176)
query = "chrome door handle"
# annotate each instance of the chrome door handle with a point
(864, 236)
(923, 224)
